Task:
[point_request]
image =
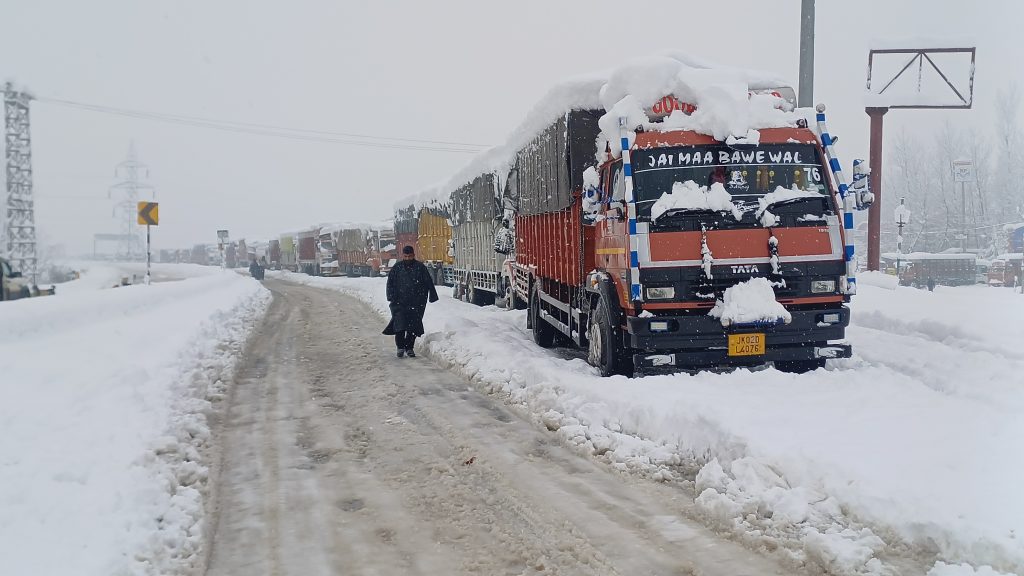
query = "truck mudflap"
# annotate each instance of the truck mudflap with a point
(701, 341)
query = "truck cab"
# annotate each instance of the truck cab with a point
(684, 256)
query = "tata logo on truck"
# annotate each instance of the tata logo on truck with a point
(746, 269)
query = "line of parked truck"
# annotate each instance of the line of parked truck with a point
(626, 226)
(603, 216)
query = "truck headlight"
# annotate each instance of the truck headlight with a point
(661, 293)
(823, 286)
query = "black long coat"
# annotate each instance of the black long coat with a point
(409, 287)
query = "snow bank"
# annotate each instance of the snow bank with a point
(103, 402)
(910, 445)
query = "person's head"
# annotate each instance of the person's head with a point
(408, 254)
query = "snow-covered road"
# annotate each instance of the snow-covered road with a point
(103, 432)
(341, 459)
(899, 459)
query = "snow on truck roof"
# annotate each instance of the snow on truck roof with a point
(673, 91)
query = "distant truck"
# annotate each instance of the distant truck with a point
(306, 250)
(1005, 270)
(289, 259)
(917, 268)
(274, 254)
(476, 219)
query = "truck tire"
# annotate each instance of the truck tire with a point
(543, 333)
(478, 297)
(604, 343)
(799, 366)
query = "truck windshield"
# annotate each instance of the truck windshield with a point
(746, 174)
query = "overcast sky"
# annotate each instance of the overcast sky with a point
(464, 71)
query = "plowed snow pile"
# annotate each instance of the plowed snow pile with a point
(909, 449)
(103, 397)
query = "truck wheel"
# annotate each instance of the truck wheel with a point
(604, 343)
(543, 333)
(799, 366)
(477, 297)
(506, 297)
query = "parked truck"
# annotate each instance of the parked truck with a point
(306, 251)
(407, 227)
(1005, 270)
(638, 285)
(353, 253)
(289, 258)
(477, 216)
(434, 239)
(274, 254)
(917, 269)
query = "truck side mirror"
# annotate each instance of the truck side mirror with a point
(861, 186)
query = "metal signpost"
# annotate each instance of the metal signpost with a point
(148, 215)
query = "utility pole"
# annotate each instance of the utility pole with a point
(806, 96)
(130, 186)
(20, 206)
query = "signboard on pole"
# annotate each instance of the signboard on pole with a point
(963, 171)
(149, 214)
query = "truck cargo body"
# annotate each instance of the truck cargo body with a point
(242, 255)
(434, 236)
(476, 216)
(307, 258)
(274, 254)
(230, 256)
(649, 307)
(289, 260)
(1005, 270)
(353, 252)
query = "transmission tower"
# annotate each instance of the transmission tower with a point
(20, 206)
(130, 244)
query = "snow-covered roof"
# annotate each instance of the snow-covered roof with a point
(725, 107)
(928, 256)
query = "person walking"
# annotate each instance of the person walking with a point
(409, 289)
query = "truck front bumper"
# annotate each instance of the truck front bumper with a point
(701, 341)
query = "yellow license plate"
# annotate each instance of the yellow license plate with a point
(746, 344)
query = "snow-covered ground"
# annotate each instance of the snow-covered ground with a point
(103, 402)
(910, 449)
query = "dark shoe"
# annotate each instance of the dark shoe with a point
(401, 353)
(411, 353)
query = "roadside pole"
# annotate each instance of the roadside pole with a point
(148, 216)
(149, 253)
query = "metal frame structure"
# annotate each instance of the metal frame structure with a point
(130, 244)
(921, 56)
(20, 205)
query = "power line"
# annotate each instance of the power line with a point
(300, 134)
